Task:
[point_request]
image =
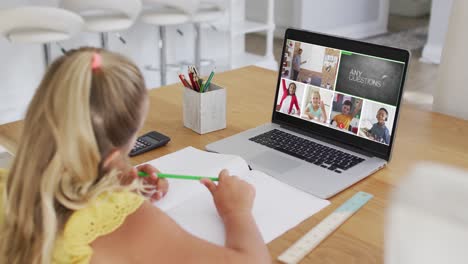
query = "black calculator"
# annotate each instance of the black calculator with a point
(149, 141)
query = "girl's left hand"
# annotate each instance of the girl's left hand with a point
(160, 185)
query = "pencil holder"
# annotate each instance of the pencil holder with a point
(205, 112)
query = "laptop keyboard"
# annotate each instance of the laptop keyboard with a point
(307, 150)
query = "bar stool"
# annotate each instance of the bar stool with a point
(163, 13)
(208, 11)
(105, 16)
(37, 24)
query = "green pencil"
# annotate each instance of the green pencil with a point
(174, 176)
(207, 83)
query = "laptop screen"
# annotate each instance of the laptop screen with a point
(350, 92)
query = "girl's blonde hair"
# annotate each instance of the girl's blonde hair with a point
(317, 93)
(77, 117)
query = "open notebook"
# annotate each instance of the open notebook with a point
(277, 208)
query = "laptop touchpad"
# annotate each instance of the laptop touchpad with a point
(274, 162)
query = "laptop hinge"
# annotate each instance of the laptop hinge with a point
(329, 141)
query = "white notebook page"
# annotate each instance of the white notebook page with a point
(277, 207)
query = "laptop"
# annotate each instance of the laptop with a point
(334, 116)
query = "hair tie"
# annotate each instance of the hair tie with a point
(96, 61)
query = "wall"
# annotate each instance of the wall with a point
(354, 19)
(334, 13)
(412, 8)
(284, 13)
(440, 12)
(452, 93)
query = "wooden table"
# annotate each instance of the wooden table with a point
(421, 136)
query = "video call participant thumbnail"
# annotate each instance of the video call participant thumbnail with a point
(315, 109)
(288, 101)
(379, 132)
(317, 104)
(345, 111)
(369, 77)
(377, 122)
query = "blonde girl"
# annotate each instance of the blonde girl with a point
(315, 109)
(71, 195)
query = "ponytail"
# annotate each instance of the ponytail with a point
(79, 113)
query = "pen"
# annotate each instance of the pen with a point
(175, 176)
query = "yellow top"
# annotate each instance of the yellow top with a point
(343, 120)
(103, 215)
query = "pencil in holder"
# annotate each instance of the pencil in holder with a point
(205, 112)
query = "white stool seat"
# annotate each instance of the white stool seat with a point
(188, 7)
(164, 17)
(207, 15)
(37, 36)
(33, 24)
(107, 23)
(105, 15)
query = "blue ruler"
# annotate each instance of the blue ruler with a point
(312, 239)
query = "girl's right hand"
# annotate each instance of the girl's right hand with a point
(322, 106)
(232, 195)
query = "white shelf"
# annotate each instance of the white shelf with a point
(238, 30)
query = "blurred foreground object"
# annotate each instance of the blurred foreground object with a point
(427, 221)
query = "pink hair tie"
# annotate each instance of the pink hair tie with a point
(97, 61)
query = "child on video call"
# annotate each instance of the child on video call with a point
(344, 119)
(315, 109)
(379, 132)
(289, 99)
(71, 195)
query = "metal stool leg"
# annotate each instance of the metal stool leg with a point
(47, 54)
(104, 40)
(197, 45)
(163, 54)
